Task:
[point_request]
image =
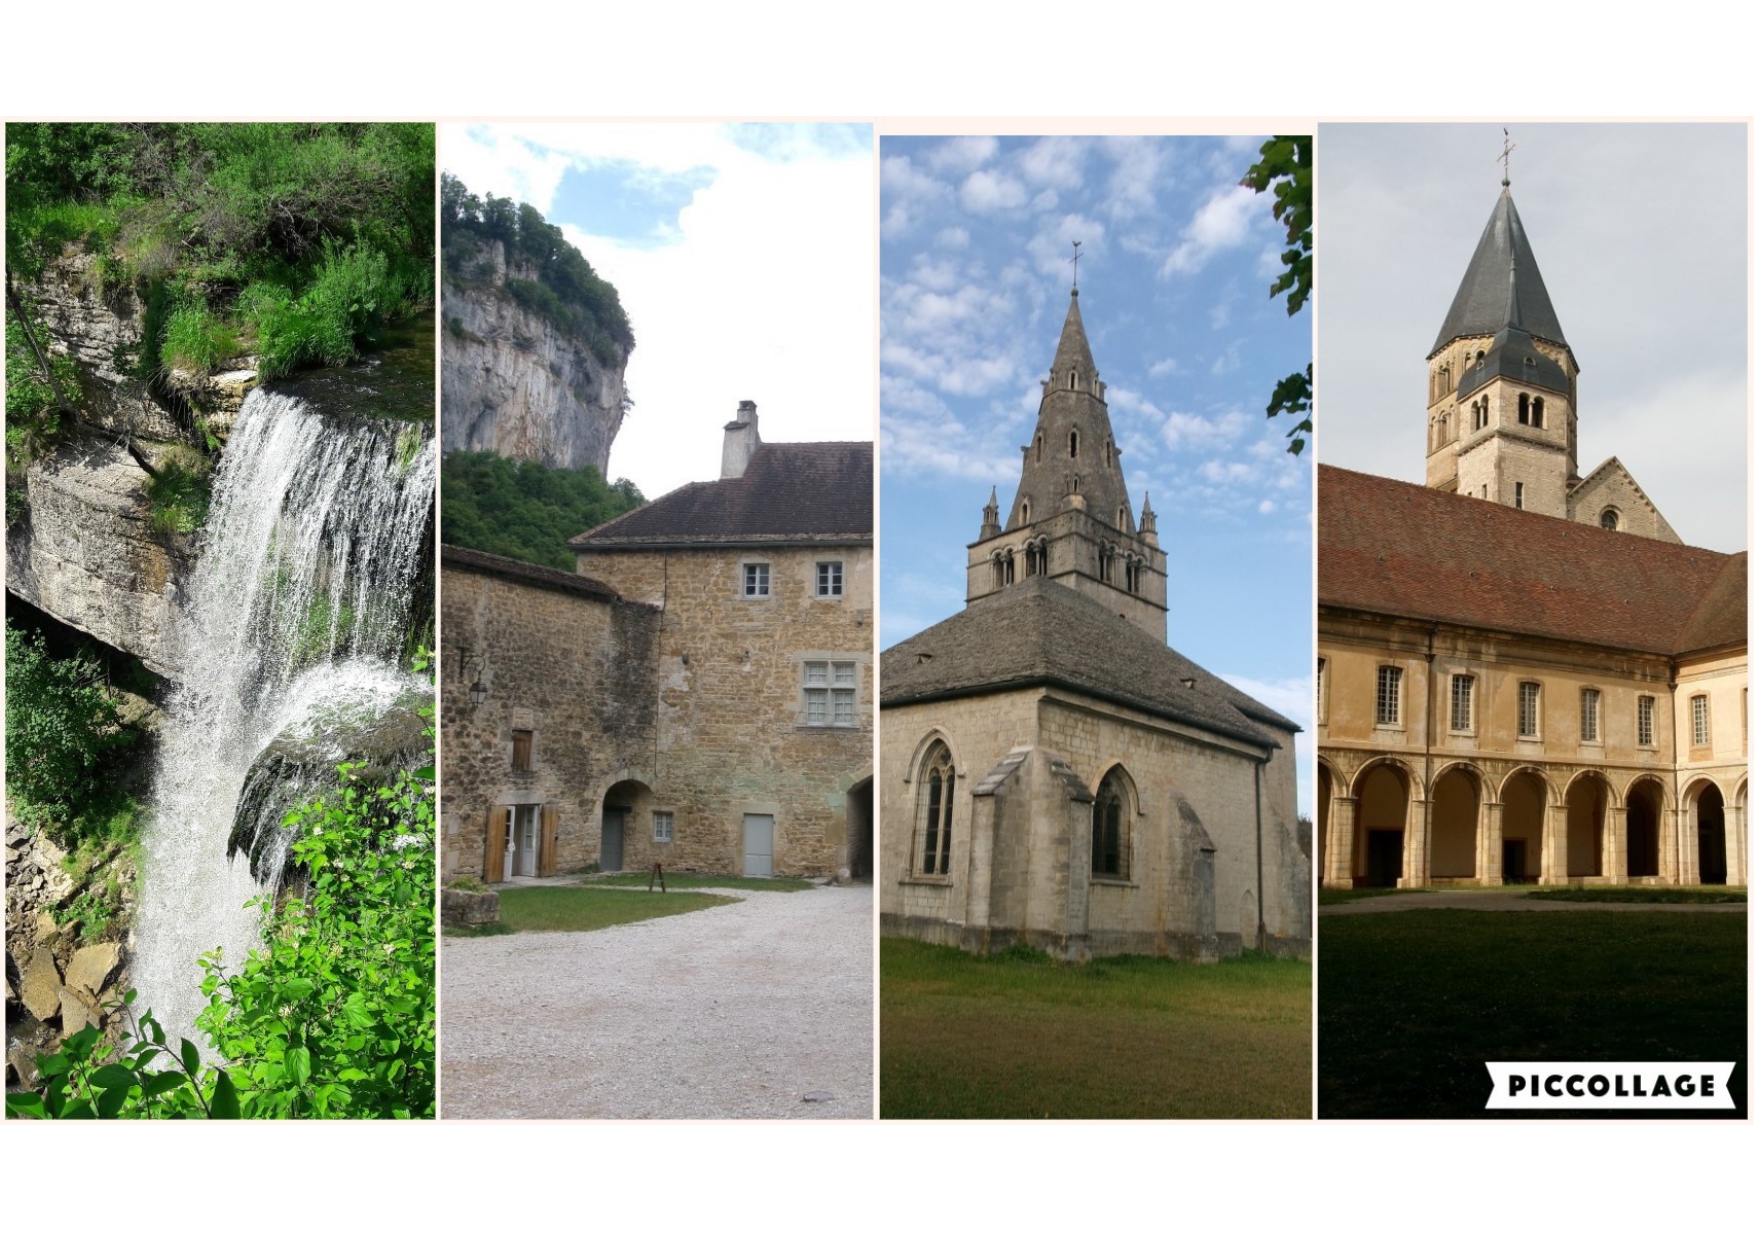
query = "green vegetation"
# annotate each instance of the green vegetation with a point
(1642, 895)
(179, 493)
(589, 908)
(65, 744)
(1413, 1004)
(1286, 167)
(1345, 896)
(526, 510)
(741, 883)
(1017, 1035)
(33, 414)
(566, 291)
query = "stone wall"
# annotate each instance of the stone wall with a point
(1611, 486)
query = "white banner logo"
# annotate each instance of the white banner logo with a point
(1609, 1085)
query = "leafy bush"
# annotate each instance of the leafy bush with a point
(524, 509)
(63, 733)
(179, 495)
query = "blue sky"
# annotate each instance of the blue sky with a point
(742, 253)
(977, 236)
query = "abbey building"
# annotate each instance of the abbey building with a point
(1052, 773)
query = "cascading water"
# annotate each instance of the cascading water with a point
(293, 625)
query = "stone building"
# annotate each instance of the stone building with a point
(699, 693)
(1555, 694)
(1052, 773)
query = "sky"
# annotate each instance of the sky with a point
(743, 255)
(1173, 282)
(1641, 235)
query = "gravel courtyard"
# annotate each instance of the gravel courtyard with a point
(735, 1011)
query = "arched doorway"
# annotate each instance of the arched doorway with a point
(1455, 823)
(1382, 826)
(859, 821)
(1708, 824)
(1644, 819)
(626, 807)
(1525, 812)
(1586, 816)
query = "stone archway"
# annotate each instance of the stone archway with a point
(1455, 825)
(1644, 829)
(1524, 819)
(1380, 837)
(1588, 803)
(1709, 836)
(621, 845)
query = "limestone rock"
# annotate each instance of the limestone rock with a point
(514, 385)
(92, 966)
(459, 908)
(41, 985)
(47, 931)
(79, 1008)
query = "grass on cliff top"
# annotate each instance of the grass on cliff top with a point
(639, 879)
(1642, 895)
(1414, 1004)
(591, 909)
(1017, 1035)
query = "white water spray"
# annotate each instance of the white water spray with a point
(294, 619)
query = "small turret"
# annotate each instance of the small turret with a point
(990, 517)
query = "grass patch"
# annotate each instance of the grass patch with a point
(1345, 896)
(1642, 895)
(634, 879)
(586, 909)
(179, 494)
(1018, 1035)
(1413, 1004)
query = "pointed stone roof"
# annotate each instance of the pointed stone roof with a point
(1483, 304)
(1074, 349)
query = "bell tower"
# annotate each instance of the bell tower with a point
(1071, 519)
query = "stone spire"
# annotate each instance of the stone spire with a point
(990, 517)
(1148, 522)
(1072, 460)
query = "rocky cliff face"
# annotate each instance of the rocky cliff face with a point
(512, 384)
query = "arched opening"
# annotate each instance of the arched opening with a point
(1455, 825)
(859, 834)
(625, 806)
(1109, 820)
(1610, 519)
(1024, 513)
(1038, 439)
(1587, 802)
(936, 812)
(1522, 407)
(1708, 826)
(1382, 826)
(1072, 440)
(1525, 811)
(1644, 817)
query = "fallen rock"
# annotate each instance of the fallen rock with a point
(79, 1008)
(41, 985)
(460, 908)
(47, 931)
(92, 967)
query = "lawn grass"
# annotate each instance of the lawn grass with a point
(1413, 1004)
(1641, 895)
(1344, 896)
(743, 883)
(1017, 1035)
(586, 909)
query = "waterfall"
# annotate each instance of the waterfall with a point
(294, 622)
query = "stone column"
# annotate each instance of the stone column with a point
(1736, 844)
(1490, 870)
(1340, 832)
(1686, 846)
(1668, 866)
(1614, 845)
(1415, 864)
(1555, 858)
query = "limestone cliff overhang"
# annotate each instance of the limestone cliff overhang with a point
(802, 494)
(1042, 634)
(467, 560)
(1394, 549)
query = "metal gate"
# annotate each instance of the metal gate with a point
(758, 845)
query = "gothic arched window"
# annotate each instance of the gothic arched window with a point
(937, 802)
(1108, 828)
(1536, 417)
(1610, 519)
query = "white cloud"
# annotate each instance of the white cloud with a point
(1291, 697)
(1267, 506)
(985, 191)
(1051, 247)
(959, 155)
(1221, 223)
(1162, 367)
(1184, 430)
(1229, 361)
(1058, 162)
(952, 239)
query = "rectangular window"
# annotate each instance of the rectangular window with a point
(1519, 495)
(828, 579)
(663, 826)
(1589, 710)
(1701, 721)
(1321, 691)
(523, 742)
(755, 581)
(1647, 720)
(1528, 709)
(1461, 703)
(1388, 695)
(831, 694)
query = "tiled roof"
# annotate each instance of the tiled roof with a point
(810, 492)
(1398, 549)
(1042, 633)
(534, 574)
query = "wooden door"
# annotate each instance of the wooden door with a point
(550, 830)
(493, 867)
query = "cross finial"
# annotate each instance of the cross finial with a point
(1074, 261)
(1504, 159)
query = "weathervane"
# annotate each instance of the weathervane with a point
(1504, 159)
(1074, 261)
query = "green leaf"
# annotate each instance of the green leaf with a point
(191, 1059)
(109, 1103)
(298, 1065)
(225, 1098)
(113, 1075)
(25, 1103)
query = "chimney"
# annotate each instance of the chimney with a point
(742, 438)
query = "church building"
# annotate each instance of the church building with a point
(1052, 773)
(1523, 674)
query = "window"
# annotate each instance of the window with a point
(1025, 513)
(1519, 495)
(1701, 721)
(1461, 703)
(1108, 828)
(1528, 709)
(1072, 441)
(937, 805)
(1589, 712)
(1610, 519)
(1321, 690)
(828, 579)
(1388, 694)
(1535, 418)
(1522, 408)
(755, 581)
(1105, 562)
(1647, 720)
(831, 693)
(663, 827)
(1135, 576)
(522, 744)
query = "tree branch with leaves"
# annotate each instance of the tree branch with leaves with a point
(1286, 167)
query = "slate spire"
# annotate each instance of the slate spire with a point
(1502, 286)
